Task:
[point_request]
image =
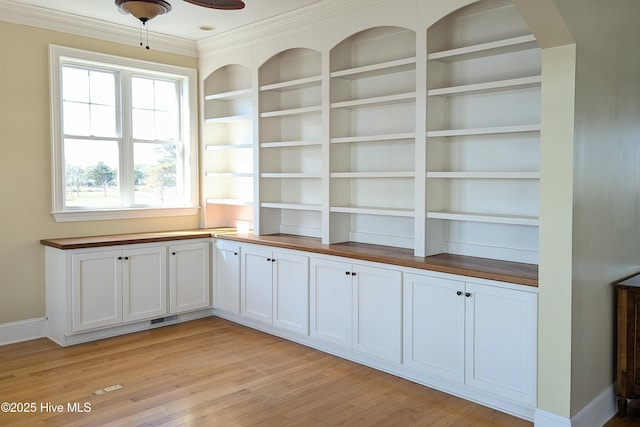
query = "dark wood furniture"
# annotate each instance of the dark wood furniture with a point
(628, 342)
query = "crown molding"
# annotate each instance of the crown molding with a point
(282, 24)
(18, 13)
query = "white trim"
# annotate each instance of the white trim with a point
(548, 419)
(597, 412)
(18, 13)
(23, 330)
(111, 214)
(187, 77)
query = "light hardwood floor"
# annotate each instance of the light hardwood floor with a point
(212, 372)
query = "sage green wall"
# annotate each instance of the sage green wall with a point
(606, 215)
(25, 164)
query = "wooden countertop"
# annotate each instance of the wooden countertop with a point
(484, 268)
(125, 239)
(504, 271)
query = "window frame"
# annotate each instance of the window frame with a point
(60, 55)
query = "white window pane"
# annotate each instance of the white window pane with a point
(103, 120)
(143, 124)
(155, 174)
(166, 97)
(91, 174)
(166, 126)
(76, 118)
(142, 93)
(103, 88)
(75, 84)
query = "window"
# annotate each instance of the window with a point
(124, 137)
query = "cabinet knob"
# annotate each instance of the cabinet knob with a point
(173, 253)
(119, 257)
(268, 259)
(348, 273)
(467, 294)
(235, 253)
(459, 293)
(273, 260)
(126, 258)
(353, 273)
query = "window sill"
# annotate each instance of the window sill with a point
(113, 214)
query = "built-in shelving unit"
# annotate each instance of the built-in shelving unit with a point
(228, 147)
(372, 138)
(290, 143)
(483, 124)
(435, 150)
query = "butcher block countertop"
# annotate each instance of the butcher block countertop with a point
(483, 268)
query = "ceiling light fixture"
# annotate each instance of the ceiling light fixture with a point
(218, 4)
(144, 10)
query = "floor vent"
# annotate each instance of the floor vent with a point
(164, 320)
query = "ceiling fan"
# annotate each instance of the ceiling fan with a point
(145, 10)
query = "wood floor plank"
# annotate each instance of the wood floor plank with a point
(214, 372)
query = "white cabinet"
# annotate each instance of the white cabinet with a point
(226, 272)
(115, 286)
(500, 342)
(96, 289)
(189, 286)
(275, 287)
(480, 335)
(144, 294)
(357, 306)
(331, 301)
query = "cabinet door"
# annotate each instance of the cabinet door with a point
(434, 325)
(257, 279)
(291, 292)
(144, 283)
(501, 334)
(331, 301)
(189, 277)
(377, 312)
(96, 285)
(226, 284)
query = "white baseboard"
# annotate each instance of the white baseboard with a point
(595, 414)
(23, 330)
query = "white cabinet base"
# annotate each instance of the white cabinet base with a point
(523, 411)
(65, 340)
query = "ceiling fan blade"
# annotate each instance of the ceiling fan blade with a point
(218, 4)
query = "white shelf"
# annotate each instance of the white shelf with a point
(228, 119)
(373, 175)
(407, 213)
(229, 175)
(378, 100)
(510, 84)
(513, 44)
(292, 112)
(291, 206)
(488, 218)
(404, 64)
(293, 84)
(283, 175)
(229, 202)
(374, 138)
(484, 131)
(224, 96)
(228, 147)
(484, 175)
(289, 144)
